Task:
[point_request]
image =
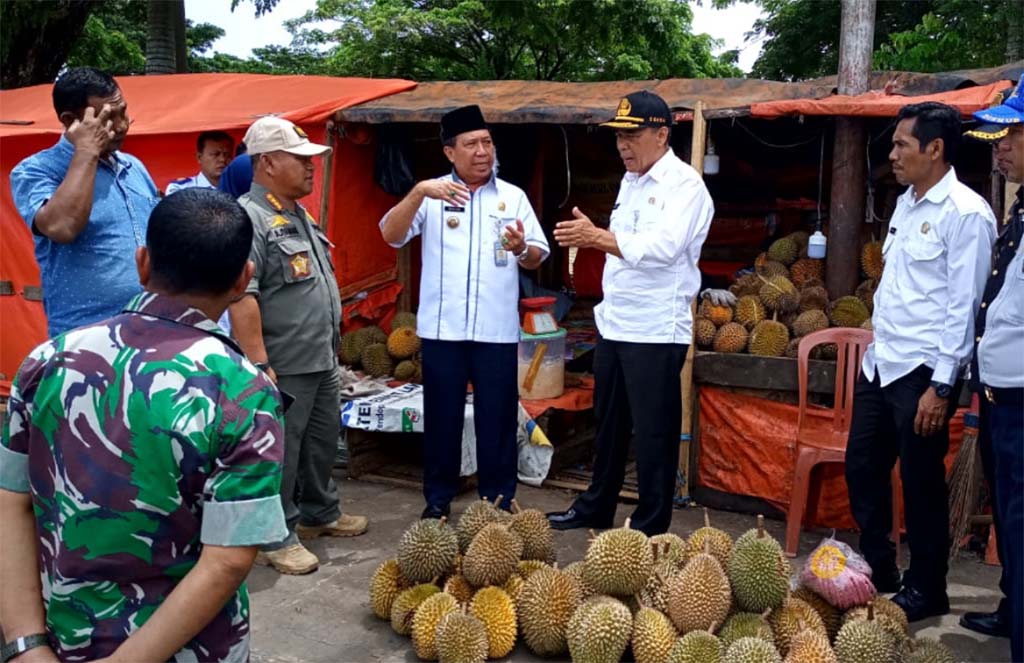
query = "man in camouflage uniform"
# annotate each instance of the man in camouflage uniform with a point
(289, 323)
(140, 464)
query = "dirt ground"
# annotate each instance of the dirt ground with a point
(325, 616)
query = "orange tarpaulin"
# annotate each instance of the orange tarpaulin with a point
(748, 447)
(168, 114)
(877, 103)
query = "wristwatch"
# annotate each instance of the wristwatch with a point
(262, 365)
(942, 390)
(21, 645)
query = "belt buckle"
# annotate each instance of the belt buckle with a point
(989, 395)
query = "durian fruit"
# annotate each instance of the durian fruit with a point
(751, 650)
(810, 646)
(599, 630)
(788, 319)
(793, 348)
(779, 294)
(926, 650)
(749, 310)
(427, 550)
(493, 607)
(459, 587)
(406, 603)
(403, 343)
(848, 311)
(653, 636)
(527, 567)
(867, 324)
(403, 320)
(866, 293)
(697, 647)
(351, 349)
(771, 269)
(493, 556)
(374, 335)
(546, 603)
(784, 250)
(704, 332)
(891, 609)
(719, 543)
(871, 260)
(476, 515)
(813, 283)
(746, 625)
(461, 638)
(758, 571)
(887, 614)
(768, 339)
(376, 361)
(655, 592)
(715, 313)
(830, 615)
(806, 269)
(672, 548)
(746, 285)
(813, 297)
(533, 528)
(864, 641)
(801, 237)
(731, 337)
(618, 562)
(792, 617)
(575, 571)
(699, 596)
(514, 586)
(425, 622)
(810, 321)
(386, 583)
(405, 371)
(825, 352)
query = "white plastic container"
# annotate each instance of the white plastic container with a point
(541, 365)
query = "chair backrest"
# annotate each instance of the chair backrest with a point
(851, 342)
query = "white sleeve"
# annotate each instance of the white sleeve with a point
(687, 219)
(417, 223)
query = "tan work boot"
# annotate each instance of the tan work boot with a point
(293, 560)
(345, 526)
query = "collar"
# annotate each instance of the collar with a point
(174, 310)
(493, 182)
(657, 171)
(119, 162)
(202, 182)
(265, 199)
(938, 193)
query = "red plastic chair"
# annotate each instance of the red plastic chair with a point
(826, 443)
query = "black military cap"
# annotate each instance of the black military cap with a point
(641, 109)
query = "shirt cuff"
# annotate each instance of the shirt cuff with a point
(945, 371)
(631, 248)
(13, 470)
(544, 250)
(244, 522)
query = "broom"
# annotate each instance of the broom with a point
(964, 482)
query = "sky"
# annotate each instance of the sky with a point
(243, 32)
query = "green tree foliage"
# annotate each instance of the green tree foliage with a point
(510, 39)
(35, 36)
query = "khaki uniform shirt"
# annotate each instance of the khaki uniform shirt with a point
(295, 284)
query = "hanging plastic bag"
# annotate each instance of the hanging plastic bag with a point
(838, 574)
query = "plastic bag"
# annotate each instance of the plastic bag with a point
(838, 574)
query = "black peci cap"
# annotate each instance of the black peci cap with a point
(641, 109)
(461, 120)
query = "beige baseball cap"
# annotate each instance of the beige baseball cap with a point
(272, 134)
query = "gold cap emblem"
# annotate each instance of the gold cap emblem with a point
(624, 107)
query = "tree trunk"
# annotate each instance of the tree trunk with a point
(180, 46)
(38, 39)
(1014, 31)
(163, 36)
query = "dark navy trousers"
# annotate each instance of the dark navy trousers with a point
(492, 368)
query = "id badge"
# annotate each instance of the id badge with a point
(500, 255)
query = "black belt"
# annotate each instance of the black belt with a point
(1003, 395)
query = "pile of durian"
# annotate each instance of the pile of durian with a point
(380, 354)
(467, 593)
(784, 300)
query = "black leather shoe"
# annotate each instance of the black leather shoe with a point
(886, 580)
(989, 623)
(436, 512)
(572, 520)
(919, 605)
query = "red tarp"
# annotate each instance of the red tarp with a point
(169, 112)
(877, 103)
(748, 447)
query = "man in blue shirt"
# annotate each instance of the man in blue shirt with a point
(87, 203)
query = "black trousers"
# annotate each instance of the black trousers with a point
(491, 367)
(636, 394)
(988, 466)
(882, 430)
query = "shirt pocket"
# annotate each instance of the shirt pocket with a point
(924, 250)
(296, 258)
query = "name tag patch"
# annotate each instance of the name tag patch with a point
(280, 233)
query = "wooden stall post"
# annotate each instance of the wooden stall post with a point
(327, 174)
(697, 149)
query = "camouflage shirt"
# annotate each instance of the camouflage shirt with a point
(140, 439)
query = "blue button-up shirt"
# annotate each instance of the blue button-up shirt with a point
(93, 277)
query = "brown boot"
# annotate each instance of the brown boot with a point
(293, 560)
(345, 526)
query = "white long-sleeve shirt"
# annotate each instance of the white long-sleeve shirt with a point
(660, 221)
(469, 287)
(937, 257)
(1001, 348)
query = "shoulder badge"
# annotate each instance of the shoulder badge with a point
(278, 221)
(274, 202)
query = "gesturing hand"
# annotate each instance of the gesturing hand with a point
(577, 231)
(514, 238)
(449, 191)
(93, 133)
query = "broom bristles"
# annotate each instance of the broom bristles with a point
(964, 489)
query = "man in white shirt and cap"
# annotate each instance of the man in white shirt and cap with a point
(658, 226)
(477, 231)
(936, 258)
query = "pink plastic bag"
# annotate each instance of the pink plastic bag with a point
(838, 574)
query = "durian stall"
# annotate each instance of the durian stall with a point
(769, 179)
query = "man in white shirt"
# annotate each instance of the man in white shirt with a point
(658, 225)
(936, 259)
(997, 376)
(213, 152)
(477, 232)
